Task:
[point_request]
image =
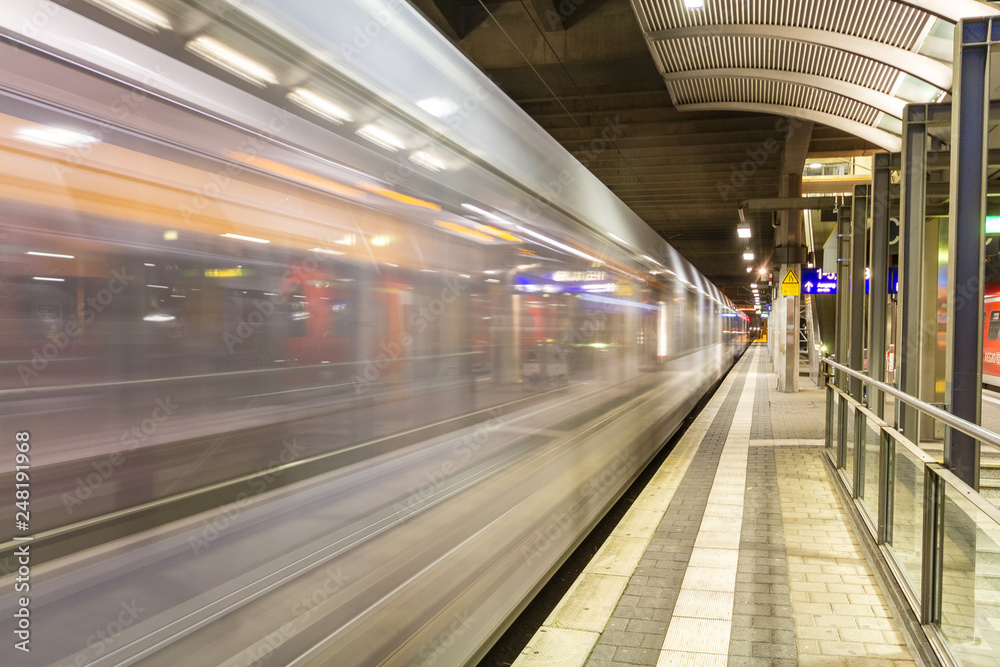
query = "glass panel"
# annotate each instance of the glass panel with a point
(869, 483)
(832, 416)
(849, 440)
(970, 604)
(906, 523)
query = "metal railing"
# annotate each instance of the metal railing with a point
(938, 536)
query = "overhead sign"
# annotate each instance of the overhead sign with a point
(790, 285)
(814, 281)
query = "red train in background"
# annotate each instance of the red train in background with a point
(991, 335)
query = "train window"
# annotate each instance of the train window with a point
(298, 313)
(994, 332)
(340, 313)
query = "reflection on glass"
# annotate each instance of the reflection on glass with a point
(832, 417)
(970, 613)
(907, 516)
(849, 441)
(869, 489)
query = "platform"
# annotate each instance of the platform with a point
(738, 552)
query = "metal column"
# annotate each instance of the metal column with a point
(879, 281)
(912, 206)
(843, 292)
(859, 214)
(967, 215)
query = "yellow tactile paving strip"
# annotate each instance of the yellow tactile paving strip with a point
(840, 615)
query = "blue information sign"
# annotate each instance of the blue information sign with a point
(814, 281)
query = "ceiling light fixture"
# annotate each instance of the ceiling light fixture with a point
(231, 60)
(135, 12)
(320, 105)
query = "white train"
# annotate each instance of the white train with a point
(318, 369)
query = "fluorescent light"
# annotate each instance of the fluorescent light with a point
(231, 60)
(562, 246)
(158, 317)
(748, 255)
(442, 107)
(743, 232)
(993, 224)
(54, 280)
(753, 285)
(320, 105)
(425, 159)
(325, 251)
(749, 269)
(158, 286)
(49, 254)
(54, 137)
(170, 235)
(487, 214)
(381, 137)
(136, 12)
(815, 165)
(148, 264)
(694, 4)
(252, 239)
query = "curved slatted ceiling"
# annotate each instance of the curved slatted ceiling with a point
(703, 53)
(764, 91)
(874, 46)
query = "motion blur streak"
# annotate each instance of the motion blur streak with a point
(295, 398)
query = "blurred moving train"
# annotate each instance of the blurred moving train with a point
(194, 297)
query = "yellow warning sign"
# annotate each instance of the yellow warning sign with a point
(790, 284)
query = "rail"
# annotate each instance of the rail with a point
(972, 430)
(926, 525)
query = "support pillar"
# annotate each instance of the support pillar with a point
(843, 292)
(913, 203)
(790, 237)
(967, 215)
(856, 349)
(878, 296)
